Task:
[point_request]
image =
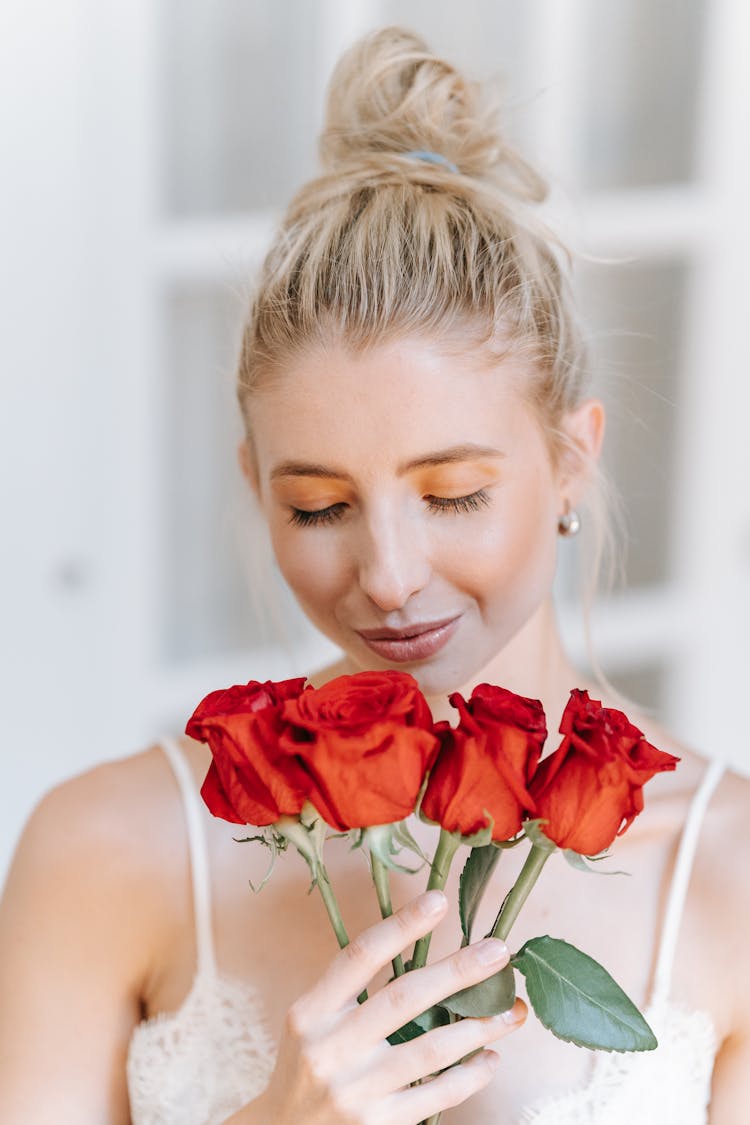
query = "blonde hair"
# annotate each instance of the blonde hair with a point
(383, 244)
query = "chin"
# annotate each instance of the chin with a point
(443, 677)
(440, 676)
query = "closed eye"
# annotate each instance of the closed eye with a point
(471, 503)
(301, 517)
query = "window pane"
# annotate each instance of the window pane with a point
(482, 36)
(239, 120)
(219, 589)
(640, 91)
(635, 313)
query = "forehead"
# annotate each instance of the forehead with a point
(386, 404)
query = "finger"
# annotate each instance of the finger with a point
(449, 1089)
(356, 964)
(438, 1049)
(407, 996)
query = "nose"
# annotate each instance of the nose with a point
(394, 563)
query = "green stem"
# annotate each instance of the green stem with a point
(383, 891)
(441, 863)
(332, 906)
(520, 890)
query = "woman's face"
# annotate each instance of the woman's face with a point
(411, 502)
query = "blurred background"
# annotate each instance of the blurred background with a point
(148, 148)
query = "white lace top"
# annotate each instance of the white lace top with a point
(200, 1064)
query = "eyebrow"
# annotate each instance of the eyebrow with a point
(454, 455)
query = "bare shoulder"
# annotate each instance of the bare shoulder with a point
(95, 853)
(83, 929)
(724, 852)
(98, 816)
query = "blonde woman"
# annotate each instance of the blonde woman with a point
(418, 436)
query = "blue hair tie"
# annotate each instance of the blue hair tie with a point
(432, 158)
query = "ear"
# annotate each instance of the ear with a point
(248, 466)
(584, 428)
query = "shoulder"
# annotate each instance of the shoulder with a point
(95, 853)
(99, 814)
(724, 849)
(717, 909)
(84, 925)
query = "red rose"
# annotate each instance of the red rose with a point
(591, 789)
(366, 742)
(249, 781)
(485, 763)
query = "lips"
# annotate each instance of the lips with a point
(415, 630)
(415, 642)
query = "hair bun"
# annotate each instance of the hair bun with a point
(389, 94)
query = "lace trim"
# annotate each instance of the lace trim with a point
(672, 1083)
(200, 1064)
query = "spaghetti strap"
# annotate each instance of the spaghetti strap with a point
(681, 878)
(198, 852)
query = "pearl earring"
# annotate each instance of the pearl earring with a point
(569, 524)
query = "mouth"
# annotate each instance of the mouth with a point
(415, 642)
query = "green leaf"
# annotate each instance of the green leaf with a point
(577, 1000)
(435, 1016)
(475, 876)
(495, 994)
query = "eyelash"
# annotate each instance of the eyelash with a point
(471, 503)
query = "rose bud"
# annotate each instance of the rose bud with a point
(591, 788)
(249, 781)
(485, 763)
(366, 742)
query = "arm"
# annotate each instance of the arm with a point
(71, 958)
(731, 1082)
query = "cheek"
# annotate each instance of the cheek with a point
(312, 564)
(510, 564)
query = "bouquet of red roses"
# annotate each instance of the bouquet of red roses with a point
(362, 753)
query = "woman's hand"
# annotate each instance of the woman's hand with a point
(335, 1066)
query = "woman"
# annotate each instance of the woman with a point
(418, 437)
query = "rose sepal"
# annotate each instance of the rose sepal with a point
(474, 840)
(533, 830)
(583, 862)
(308, 833)
(576, 999)
(388, 840)
(275, 844)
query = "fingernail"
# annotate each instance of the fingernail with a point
(514, 1014)
(490, 950)
(432, 902)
